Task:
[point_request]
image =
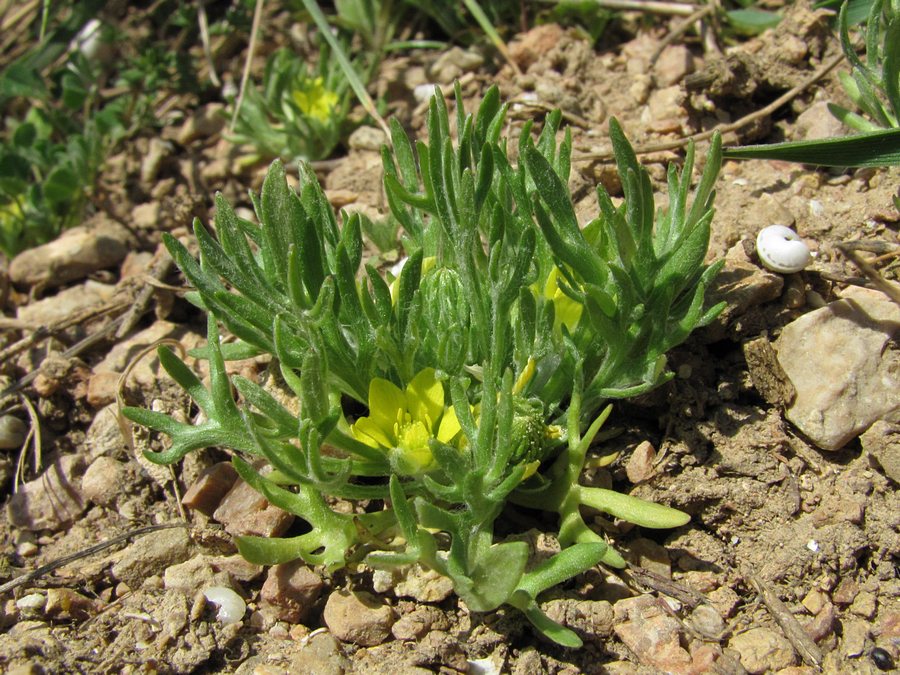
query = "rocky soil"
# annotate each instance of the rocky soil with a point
(780, 434)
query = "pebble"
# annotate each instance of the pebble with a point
(291, 590)
(673, 64)
(640, 464)
(358, 618)
(206, 121)
(651, 556)
(104, 481)
(417, 623)
(152, 554)
(855, 634)
(530, 46)
(12, 432)
(244, 511)
(207, 492)
(818, 122)
(652, 635)
(423, 585)
(742, 285)
(762, 650)
(452, 63)
(66, 604)
(78, 252)
(856, 378)
(52, 499)
(367, 138)
(64, 304)
(104, 436)
(591, 619)
(194, 574)
(882, 441)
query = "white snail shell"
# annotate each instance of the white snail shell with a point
(781, 250)
(230, 605)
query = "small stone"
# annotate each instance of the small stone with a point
(417, 623)
(814, 601)
(104, 436)
(367, 138)
(666, 104)
(591, 619)
(77, 253)
(65, 303)
(865, 605)
(530, 46)
(741, 284)
(321, 655)
(64, 603)
(855, 634)
(146, 216)
(640, 464)
(882, 442)
(358, 618)
(103, 481)
(855, 381)
(651, 556)
(423, 585)
(31, 602)
(206, 121)
(12, 432)
(454, 62)
(291, 590)
(207, 492)
(707, 621)
(762, 650)
(653, 636)
(673, 64)
(846, 592)
(50, 500)
(194, 574)
(817, 122)
(151, 555)
(822, 624)
(244, 511)
(157, 151)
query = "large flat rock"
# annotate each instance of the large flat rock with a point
(844, 366)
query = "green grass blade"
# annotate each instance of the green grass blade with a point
(873, 149)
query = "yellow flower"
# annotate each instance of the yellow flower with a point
(567, 310)
(402, 422)
(314, 100)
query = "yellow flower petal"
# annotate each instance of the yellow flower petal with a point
(385, 400)
(425, 398)
(412, 454)
(449, 426)
(366, 431)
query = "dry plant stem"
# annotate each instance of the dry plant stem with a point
(682, 28)
(203, 23)
(676, 8)
(891, 290)
(804, 645)
(245, 76)
(84, 553)
(682, 593)
(33, 437)
(722, 128)
(161, 268)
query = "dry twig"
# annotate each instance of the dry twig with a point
(809, 651)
